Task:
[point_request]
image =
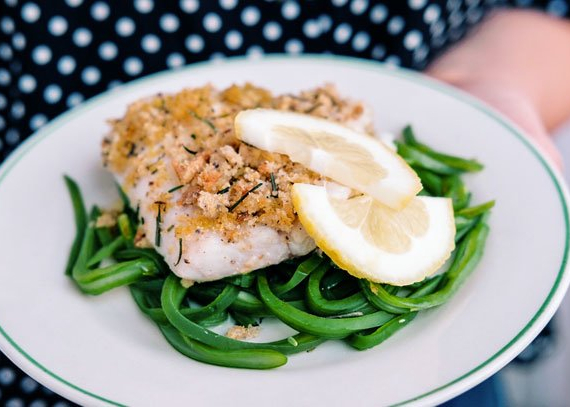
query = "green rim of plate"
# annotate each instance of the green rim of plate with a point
(414, 77)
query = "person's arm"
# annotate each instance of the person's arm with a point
(519, 62)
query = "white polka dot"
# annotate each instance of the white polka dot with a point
(90, 75)
(272, 31)
(100, 11)
(475, 2)
(361, 41)
(41, 55)
(14, 402)
(5, 52)
(228, 4)
(416, 4)
(339, 3)
(5, 77)
(233, 39)
(455, 18)
(437, 28)
(557, 7)
(189, 6)
(28, 384)
(413, 39)
(11, 3)
(325, 22)
(311, 28)
(144, 6)
(2, 127)
(12, 137)
(255, 52)
(7, 376)
(474, 14)
(52, 93)
(19, 41)
(342, 33)
(395, 25)
(61, 404)
(250, 15)
(175, 60)
(217, 57)
(66, 65)
(74, 3)
(7, 25)
(438, 41)
(30, 12)
(18, 110)
(133, 66)
(455, 33)
(37, 121)
(523, 3)
(38, 403)
(194, 43)
(169, 23)
(114, 84)
(290, 10)
(27, 83)
(358, 7)
(431, 13)
(150, 43)
(57, 25)
(108, 50)
(421, 53)
(3, 102)
(82, 37)
(378, 14)
(212, 22)
(74, 99)
(125, 26)
(393, 60)
(294, 46)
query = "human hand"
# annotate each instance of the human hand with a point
(517, 61)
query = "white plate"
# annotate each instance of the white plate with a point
(101, 350)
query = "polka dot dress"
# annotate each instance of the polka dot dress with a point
(56, 54)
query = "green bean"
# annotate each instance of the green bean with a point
(469, 252)
(150, 254)
(475, 211)
(417, 158)
(377, 301)
(247, 359)
(213, 320)
(104, 235)
(80, 221)
(125, 227)
(432, 182)
(314, 325)
(458, 163)
(243, 319)
(322, 306)
(303, 270)
(106, 251)
(362, 341)
(427, 287)
(171, 297)
(455, 189)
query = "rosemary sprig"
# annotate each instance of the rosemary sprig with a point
(223, 191)
(208, 122)
(231, 208)
(179, 251)
(157, 231)
(274, 190)
(189, 151)
(176, 188)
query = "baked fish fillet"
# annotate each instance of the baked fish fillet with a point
(209, 204)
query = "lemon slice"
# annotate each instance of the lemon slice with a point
(350, 158)
(372, 241)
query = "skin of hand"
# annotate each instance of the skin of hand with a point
(517, 61)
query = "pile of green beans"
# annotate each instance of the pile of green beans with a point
(310, 294)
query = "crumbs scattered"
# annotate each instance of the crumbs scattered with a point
(241, 332)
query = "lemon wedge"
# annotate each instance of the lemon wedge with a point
(350, 158)
(373, 241)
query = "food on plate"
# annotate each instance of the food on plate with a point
(239, 205)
